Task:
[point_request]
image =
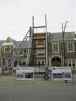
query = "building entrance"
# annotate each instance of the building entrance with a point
(56, 61)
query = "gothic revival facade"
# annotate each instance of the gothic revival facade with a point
(11, 54)
(59, 53)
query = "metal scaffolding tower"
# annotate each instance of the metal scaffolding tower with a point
(39, 44)
(27, 38)
(37, 53)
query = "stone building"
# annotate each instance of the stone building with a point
(12, 53)
(59, 54)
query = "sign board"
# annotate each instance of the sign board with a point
(60, 73)
(24, 73)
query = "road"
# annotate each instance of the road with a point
(40, 93)
(13, 90)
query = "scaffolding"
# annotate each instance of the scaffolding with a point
(39, 44)
(27, 38)
(37, 53)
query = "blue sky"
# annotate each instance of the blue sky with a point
(16, 16)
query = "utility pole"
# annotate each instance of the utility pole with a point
(63, 40)
(46, 42)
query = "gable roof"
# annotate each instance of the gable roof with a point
(17, 44)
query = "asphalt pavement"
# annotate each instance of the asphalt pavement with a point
(39, 93)
(13, 90)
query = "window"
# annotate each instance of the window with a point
(24, 63)
(21, 52)
(7, 49)
(55, 47)
(69, 61)
(69, 64)
(70, 46)
(73, 62)
(42, 62)
(39, 63)
(3, 61)
(15, 63)
(24, 50)
(73, 65)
